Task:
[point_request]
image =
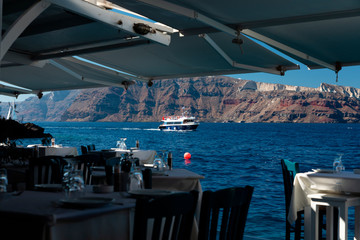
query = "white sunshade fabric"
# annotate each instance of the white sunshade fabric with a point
(315, 33)
(190, 56)
(39, 58)
(59, 74)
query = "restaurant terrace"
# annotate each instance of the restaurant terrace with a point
(53, 45)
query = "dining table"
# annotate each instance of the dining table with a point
(324, 187)
(48, 213)
(54, 150)
(145, 156)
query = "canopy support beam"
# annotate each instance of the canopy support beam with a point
(236, 64)
(191, 14)
(106, 70)
(92, 48)
(123, 84)
(20, 24)
(114, 19)
(287, 49)
(16, 91)
(222, 27)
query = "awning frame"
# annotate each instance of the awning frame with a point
(222, 27)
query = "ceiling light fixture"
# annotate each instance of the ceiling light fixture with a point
(142, 29)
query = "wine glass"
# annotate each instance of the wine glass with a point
(77, 185)
(121, 144)
(338, 165)
(164, 157)
(136, 179)
(159, 164)
(3, 180)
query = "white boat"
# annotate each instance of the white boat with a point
(179, 123)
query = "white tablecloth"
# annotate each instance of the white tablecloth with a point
(56, 150)
(315, 182)
(145, 156)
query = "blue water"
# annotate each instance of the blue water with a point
(231, 154)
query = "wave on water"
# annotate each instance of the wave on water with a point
(65, 127)
(130, 129)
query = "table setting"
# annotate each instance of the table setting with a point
(331, 188)
(72, 209)
(54, 149)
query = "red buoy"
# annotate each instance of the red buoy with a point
(187, 155)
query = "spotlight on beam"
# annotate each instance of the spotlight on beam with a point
(150, 83)
(40, 95)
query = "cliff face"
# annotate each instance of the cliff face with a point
(210, 99)
(49, 108)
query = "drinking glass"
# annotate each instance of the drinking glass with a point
(338, 165)
(159, 164)
(75, 186)
(66, 178)
(3, 180)
(121, 144)
(136, 179)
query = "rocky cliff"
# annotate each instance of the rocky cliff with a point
(210, 99)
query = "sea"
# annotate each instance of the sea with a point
(231, 154)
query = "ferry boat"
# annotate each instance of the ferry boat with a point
(179, 123)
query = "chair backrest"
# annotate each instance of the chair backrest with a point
(226, 208)
(289, 170)
(44, 170)
(85, 162)
(110, 164)
(175, 212)
(84, 149)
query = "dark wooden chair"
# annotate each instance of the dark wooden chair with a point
(226, 208)
(176, 212)
(89, 164)
(110, 164)
(84, 149)
(44, 170)
(289, 170)
(90, 147)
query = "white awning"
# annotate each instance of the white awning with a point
(169, 39)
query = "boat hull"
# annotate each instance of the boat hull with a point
(178, 127)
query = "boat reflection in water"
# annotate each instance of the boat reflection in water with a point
(179, 123)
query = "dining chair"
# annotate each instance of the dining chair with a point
(90, 147)
(92, 167)
(44, 170)
(110, 164)
(172, 216)
(225, 210)
(289, 170)
(84, 149)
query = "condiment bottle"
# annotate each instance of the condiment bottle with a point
(169, 160)
(117, 179)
